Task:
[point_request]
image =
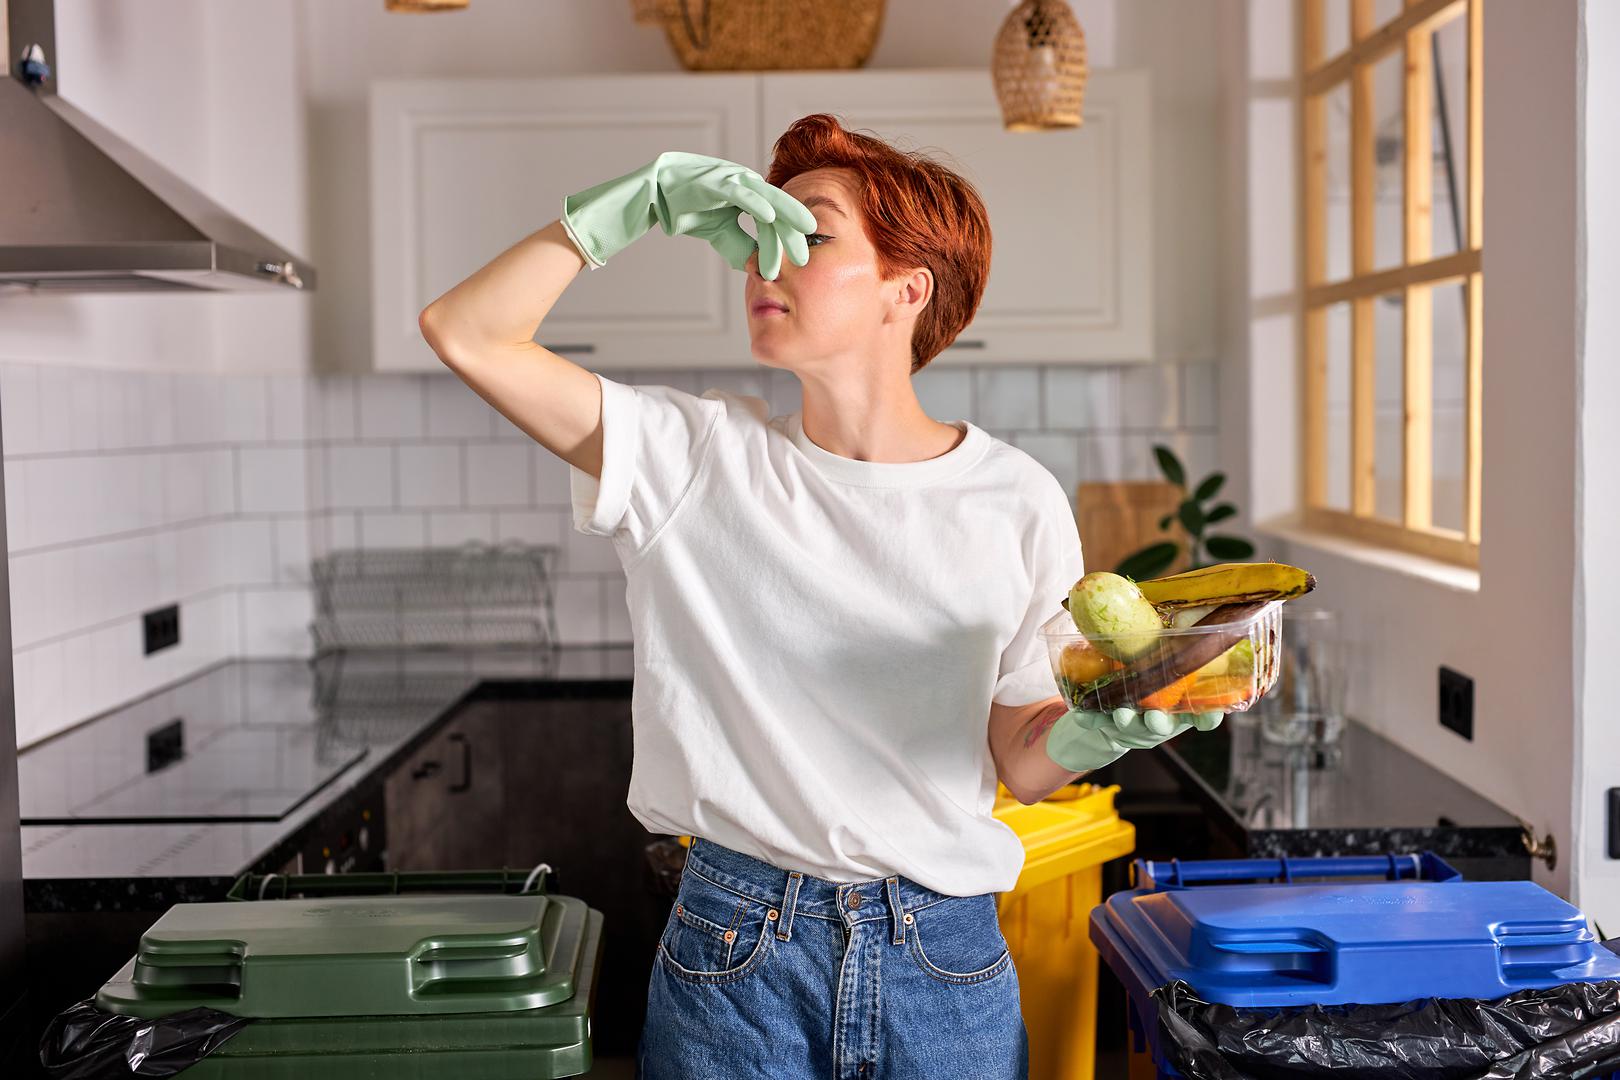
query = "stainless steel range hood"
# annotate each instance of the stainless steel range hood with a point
(81, 210)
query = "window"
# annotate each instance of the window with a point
(1390, 136)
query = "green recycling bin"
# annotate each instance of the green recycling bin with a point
(478, 976)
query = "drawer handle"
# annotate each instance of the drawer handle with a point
(466, 764)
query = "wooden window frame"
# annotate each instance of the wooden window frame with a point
(1415, 277)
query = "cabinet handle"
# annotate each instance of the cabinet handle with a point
(425, 770)
(466, 764)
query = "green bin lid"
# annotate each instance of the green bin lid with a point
(354, 956)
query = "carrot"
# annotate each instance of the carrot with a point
(1168, 697)
(1194, 694)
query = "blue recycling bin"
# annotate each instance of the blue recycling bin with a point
(1365, 930)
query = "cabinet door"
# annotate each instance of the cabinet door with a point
(475, 791)
(462, 169)
(1069, 210)
(414, 797)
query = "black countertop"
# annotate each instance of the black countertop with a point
(341, 727)
(1362, 795)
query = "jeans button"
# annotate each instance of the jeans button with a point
(854, 900)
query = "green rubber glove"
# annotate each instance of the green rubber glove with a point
(693, 195)
(1082, 740)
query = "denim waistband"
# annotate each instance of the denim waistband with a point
(798, 893)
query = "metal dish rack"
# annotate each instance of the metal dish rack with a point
(474, 596)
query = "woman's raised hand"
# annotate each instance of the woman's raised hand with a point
(691, 195)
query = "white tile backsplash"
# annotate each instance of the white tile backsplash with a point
(393, 407)
(127, 490)
(1008, 397)
(393, 528)
(1082, 399)
(458, 526)
(1200, 395)
(247, 408)
(199, 410)
(19, 409)
(430, 475)
(361, 476)
(157, 417)
(288, 397)
(274, 480)
(498, 474)
(455, 411)
(339, 410)
(945, 393)
(550, 477)
(1060, 453)
(1149, 396)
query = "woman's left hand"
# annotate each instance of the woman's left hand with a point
(1082, 740)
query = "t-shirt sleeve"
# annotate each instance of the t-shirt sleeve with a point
(653, 442)
(1025, 674)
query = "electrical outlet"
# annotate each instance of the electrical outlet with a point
(162, 628)
(1457, 702)
(165, 745)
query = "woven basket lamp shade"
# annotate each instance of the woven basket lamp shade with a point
(1039, 67)
(420, 6)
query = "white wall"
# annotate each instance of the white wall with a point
(1513, 634)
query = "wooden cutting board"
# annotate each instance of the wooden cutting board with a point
(1120, 518)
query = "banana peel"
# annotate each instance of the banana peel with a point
(1227, 583)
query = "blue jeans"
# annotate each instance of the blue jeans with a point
(762, 972)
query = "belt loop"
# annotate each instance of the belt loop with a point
(790, 900)
(896, 912)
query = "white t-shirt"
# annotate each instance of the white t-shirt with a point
(818, 639)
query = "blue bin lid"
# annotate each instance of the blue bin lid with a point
(1348, 943)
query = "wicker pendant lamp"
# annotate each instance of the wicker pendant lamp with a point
(421, 6)
(1039, 67)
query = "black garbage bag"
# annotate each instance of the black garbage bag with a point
(1563, 1033)
(84, 1042)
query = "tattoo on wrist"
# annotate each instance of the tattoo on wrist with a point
(1042, 723)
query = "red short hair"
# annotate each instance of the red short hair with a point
(917, 212)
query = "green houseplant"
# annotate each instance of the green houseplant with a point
(1153, 560)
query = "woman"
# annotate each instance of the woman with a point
(835, 612)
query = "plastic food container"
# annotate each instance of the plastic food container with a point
(1227, 665)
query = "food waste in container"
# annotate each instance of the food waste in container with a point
(1225, 666)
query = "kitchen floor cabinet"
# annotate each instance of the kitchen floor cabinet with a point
(518, 782)
(444, 805)
(464, 168)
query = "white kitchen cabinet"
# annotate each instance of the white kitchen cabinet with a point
(463, 168)
(1070, 264)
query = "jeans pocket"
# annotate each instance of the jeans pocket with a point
(714, 934)
(959, 940)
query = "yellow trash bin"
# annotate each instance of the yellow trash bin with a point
(1067, 837)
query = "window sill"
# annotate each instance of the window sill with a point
(1446, 575)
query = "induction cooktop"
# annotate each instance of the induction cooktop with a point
(241, 743)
